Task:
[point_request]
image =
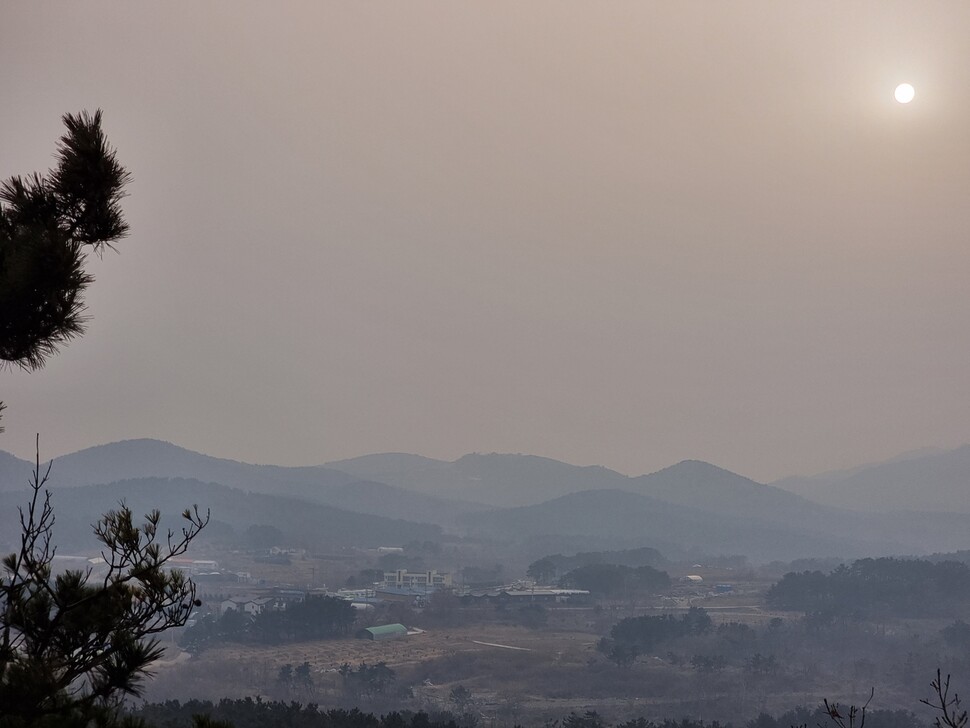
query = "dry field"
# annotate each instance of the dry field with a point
(420, 659)
(549, 674)
(327, 655)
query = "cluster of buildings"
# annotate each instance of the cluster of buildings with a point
(403, 586)
(400, 585)
(253, 604)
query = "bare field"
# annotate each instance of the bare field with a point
(530, 676)
(547, 674)
(325, 655)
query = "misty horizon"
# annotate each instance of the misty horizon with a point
(898, 457)
(628, 235)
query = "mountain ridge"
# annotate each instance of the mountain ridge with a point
(146, 458)
(934, 482)
(309, 524)
(474, 491)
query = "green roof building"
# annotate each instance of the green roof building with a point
(383, 632)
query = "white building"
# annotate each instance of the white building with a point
(404, 579)
(247, 605)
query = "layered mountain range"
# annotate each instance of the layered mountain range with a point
(910, 506)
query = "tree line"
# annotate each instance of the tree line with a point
(613, 579)
(317, 617)
(883, 587)
(633, 636)
(551, 567)
(257, 713)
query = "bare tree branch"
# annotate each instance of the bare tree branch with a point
(65, 638)
(949, 708)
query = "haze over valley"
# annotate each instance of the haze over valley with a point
(689, 507)
(505, 527)
(484, 365)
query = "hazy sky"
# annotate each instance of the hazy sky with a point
(609, 233)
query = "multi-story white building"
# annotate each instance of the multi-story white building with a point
(404, 579)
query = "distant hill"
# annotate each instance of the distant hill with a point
(380, 499)
(696, 505)
(305, 524)
(764, 519)
(135, 459)
(687, 507)
(937, 481)
(626, 517)
(519, 480)
(147, 458)
(391, 464)
(495, 479)
(14, 472)
(701, 485)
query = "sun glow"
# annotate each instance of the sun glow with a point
(904, 93)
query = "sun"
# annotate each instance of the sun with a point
(904, 93)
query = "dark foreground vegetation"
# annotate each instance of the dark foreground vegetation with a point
(71, 644)
(250, 713)
(944, 702)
